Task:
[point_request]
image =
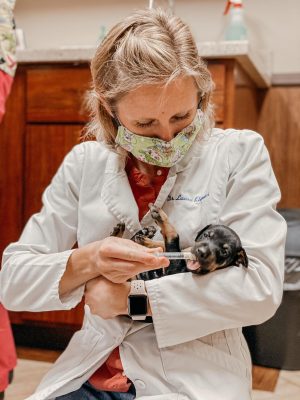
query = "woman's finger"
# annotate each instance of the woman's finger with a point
(154, 250)
(160, 262)
(129, 269)
(117, 250)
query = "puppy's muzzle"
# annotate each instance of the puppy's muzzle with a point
(202, 251)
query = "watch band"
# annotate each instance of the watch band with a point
(138, 288)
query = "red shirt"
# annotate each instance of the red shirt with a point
(109, 376)
(8, 356)
(5, 86)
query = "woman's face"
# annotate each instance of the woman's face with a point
(158, 111)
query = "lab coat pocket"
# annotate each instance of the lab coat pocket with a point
(224, 349)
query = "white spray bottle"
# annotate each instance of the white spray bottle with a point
(235, 28)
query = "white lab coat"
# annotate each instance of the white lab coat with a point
(194, 350)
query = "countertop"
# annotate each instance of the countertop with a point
(256, 63)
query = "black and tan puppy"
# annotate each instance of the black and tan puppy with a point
(215, 247)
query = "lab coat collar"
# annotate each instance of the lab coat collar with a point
(194, 152)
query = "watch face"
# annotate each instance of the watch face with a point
(137, 305)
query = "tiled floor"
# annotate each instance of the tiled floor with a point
(27, 376)
(29, 373)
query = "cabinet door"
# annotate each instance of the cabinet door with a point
(56, 93)
(218, 73)
(46, 146)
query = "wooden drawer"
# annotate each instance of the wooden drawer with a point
(55, 94)
(218, 72)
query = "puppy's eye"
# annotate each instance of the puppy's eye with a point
(224, 251)
(206, 235)
(209, 234)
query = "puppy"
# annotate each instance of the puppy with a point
(215, 247)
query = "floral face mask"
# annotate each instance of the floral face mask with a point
(157, 151)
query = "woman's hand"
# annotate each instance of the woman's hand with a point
(120, 259)
(113, 258)
(105, 298)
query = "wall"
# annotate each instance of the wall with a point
(273, 24)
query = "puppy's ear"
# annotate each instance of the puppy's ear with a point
(241, 259)
(200, 233)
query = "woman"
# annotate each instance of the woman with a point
(152, 118)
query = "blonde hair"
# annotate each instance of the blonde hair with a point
(147, 47)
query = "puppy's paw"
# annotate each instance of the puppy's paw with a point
(140, 239)
(118, 230)
(151, 231)
(148, 231)
(147, 242)
(156, 213)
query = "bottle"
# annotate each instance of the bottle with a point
(169, 5)
(235, 28)
(102, 33)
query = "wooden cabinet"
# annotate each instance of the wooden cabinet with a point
(43, 122)
(218, 72)
(46, 146)
(279, 123)
(56, 94)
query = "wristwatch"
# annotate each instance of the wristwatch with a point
(137, 300)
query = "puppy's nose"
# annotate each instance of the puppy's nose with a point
(203, 251)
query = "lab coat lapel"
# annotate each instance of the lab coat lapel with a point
(117, 194)
(161, 198)
(171, 180)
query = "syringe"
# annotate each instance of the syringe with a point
(184, 255)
